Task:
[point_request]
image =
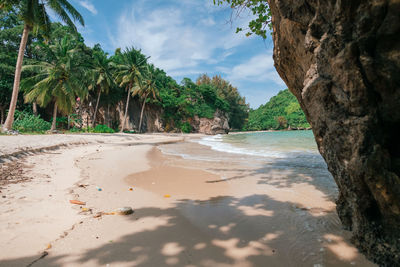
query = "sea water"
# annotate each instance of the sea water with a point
(283, 148)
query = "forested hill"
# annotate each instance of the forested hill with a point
(280, 112)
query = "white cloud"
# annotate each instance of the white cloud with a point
(175, 38)
(89, 6)
(259, 68)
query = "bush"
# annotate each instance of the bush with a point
(26, 122)
(186, 127)
(101, 128)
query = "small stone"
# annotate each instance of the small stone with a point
(124, 211)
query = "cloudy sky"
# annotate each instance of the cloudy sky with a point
(185, 38)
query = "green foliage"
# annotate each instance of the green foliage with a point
(186, 127)
(10, 35)
(60, 78)
(100, 128)
(59, 67)
(259, 9)
(26, 122)
(280, 112)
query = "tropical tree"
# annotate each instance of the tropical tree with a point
(101, 75)
(34, 15)
(59, 80)
(148, 87)
(130, 67)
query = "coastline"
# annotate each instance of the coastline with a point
(217, 213)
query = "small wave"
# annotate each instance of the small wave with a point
(217, 143)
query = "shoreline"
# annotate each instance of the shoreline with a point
(215, 213)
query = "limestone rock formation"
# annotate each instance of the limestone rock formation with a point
(341, 59)
(217, 125)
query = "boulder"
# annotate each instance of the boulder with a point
(341, 59)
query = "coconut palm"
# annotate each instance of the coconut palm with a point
(101, 76)
(148, 88)
(35, 17)
(58, 81)
(131, 65)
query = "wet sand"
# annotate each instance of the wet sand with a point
(193, 213)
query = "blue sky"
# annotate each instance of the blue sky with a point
(185, 38)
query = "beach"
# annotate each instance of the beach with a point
(188, 211)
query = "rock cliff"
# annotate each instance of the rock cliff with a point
(217, 125)
(341, 59)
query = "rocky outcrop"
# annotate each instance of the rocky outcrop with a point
(217, 125)
(112, 116)
(341, 59)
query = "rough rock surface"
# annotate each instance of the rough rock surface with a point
(113, 115)
(217, 125)
(341, 59)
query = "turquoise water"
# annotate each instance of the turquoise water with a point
(285, 149)
(265, 144)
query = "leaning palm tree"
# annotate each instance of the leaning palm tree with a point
(129, 71)
(35, 17)
(58, 81)
(148, 88)
(101, 76)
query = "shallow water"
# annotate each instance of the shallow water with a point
(273, 197)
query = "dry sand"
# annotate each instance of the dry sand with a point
(185, 214)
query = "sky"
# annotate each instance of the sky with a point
(185, 38)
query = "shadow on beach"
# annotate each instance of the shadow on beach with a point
(250, 231)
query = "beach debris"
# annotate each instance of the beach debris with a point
(124, 211)
(77, 202)
(98, 215)
(167, 196)
(130, 189)
(48, 246)
(83, 185)
(98, 188)
(120, 211)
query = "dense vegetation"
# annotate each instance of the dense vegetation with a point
(60, 74)
(280, 112)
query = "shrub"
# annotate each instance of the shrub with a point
(26, 122)
(101, 128)
(186, 127)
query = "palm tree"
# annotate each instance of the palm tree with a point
(35, 17)
(101, 76)
(130, 69)
(58, 81)
(148, 88)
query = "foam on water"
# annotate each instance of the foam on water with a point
(285, 149)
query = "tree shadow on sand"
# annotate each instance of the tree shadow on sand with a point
(221, 231)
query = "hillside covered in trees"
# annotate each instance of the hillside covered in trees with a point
(280, 112)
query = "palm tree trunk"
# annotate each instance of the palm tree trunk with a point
(2, 114)
(108, 115)
(126, 110)
(97, 106)
(53, 124)
(141, 113)
(34, 108)
(14, 97)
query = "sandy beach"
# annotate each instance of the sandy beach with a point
(186, 212)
